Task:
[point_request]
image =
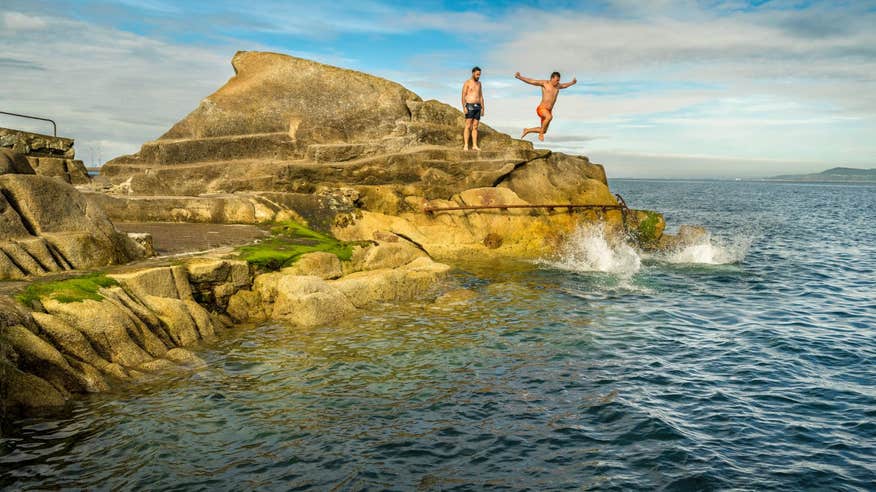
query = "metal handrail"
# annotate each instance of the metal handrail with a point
(431, 210)
(54, 126)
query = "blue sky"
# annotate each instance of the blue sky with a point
(667, 88)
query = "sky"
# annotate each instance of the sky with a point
(666, 88)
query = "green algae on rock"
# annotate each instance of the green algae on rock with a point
(289, 242)
(69, 290)
(650, 229)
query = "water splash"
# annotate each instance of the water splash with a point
(590, 249)
(709, 251)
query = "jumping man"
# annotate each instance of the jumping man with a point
(550, 89)
(473, 107)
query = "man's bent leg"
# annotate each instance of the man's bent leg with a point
(474, 134)
(544, 126)
(465, 132)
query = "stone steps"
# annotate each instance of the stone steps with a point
(237, 147)
(331, 165)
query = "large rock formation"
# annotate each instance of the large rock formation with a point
(292, 127)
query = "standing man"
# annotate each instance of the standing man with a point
(473, 107)
(550, 89)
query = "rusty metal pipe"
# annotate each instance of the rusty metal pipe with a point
(430, 210)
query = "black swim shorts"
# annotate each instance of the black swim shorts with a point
(472, 111)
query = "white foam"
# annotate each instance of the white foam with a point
(709, 252)
(589, 250)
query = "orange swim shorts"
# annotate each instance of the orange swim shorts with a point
(542, 112)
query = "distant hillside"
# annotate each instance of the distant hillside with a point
(836, 174)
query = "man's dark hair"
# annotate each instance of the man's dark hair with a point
(475, 69)
(555, 74)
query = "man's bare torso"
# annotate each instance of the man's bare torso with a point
(472, 92)
(549, 95)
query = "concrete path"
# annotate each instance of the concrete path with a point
(177, 238)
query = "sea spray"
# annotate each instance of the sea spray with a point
(707, 251)
(589, 249)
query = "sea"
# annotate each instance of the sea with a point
(744, 362)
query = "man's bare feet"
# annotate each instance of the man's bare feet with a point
(541, 136)
(465, 149)
(476, 148)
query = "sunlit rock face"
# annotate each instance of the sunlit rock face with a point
(287, 125)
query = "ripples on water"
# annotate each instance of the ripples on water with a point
(753, 373)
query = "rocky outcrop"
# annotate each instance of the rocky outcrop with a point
(318, 289)
(460, 234)
(268, 131)
(28, 143)
(46, 155)
(285, 139)
(71, 171)
(47, 226)
(147, 320)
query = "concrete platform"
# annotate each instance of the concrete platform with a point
(177, 238)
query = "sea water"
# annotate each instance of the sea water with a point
(742, 362)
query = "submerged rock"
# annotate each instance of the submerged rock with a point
(90, 332)
(456, 296)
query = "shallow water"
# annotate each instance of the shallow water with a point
(750, 369)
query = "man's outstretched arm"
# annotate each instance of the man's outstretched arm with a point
(568, 84)
(528, 80)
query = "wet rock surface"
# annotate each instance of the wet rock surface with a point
(144, 321)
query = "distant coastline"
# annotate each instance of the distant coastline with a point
(836, 175)
(833, 175)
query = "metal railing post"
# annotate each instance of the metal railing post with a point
(54, 126)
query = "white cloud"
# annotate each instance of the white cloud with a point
(16, 21)
(108, 89)
(776, 86)
(660, 78)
